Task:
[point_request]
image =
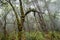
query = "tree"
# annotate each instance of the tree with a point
(22, 17)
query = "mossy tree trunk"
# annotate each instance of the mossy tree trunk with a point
(22, 21)
(19, 23)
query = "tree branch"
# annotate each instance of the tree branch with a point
(13, 9)
(33, 10)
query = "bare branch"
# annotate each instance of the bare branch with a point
(33, 10)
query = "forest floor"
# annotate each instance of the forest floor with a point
(35, 36)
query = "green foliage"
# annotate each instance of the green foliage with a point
(1, 34)
(3, 38)
(34, 36)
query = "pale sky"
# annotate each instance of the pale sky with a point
(53, 0)
(0, 11)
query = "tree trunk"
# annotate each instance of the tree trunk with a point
(22, 21)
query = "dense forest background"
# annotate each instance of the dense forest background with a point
(29, 19)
